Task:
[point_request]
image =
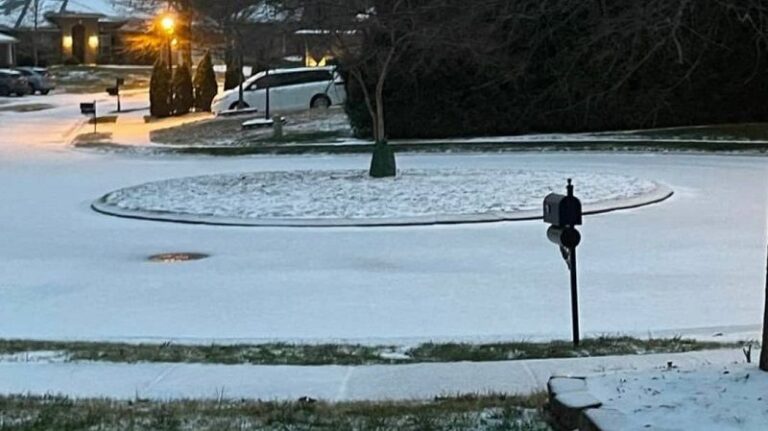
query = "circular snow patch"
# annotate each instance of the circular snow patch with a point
(351, 198)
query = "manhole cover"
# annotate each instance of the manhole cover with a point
(176, 257)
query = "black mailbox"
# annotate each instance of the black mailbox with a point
(88, 108)
(113, 91)
(564, 237)
(562, 210)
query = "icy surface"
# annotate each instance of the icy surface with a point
(711, 398)
(352, 194)
(66, 272)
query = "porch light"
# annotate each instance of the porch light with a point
(93, 41)
(66, 42)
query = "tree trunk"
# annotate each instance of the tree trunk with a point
(383, 163)
(764, 345)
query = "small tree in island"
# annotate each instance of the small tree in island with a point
(369, 38)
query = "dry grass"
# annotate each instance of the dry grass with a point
(486, 412)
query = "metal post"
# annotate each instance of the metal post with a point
(266, 75)
(170, 69)
(764, 351)
(574, 296)
(95, 118)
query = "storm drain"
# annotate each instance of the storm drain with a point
(176, 257)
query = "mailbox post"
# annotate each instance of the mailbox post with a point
(564, 213)
(115, 91)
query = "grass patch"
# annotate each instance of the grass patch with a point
(105, 119)
(86, 140)
(490, 412)
(325, 137)
(96, 79)
(348, 354)
(426, 147)
(743, 132)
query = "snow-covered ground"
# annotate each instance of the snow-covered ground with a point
(696, 260)
(715, 397)
(351, 196)
(333, 383)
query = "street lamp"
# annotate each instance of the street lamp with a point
(168, 24)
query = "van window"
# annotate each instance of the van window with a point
(291, 78)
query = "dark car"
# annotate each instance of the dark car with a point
(13, 82)
(39, 79)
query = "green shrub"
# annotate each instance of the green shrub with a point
(205, 84)
(232, 76)
(183, 98)
(160, 91)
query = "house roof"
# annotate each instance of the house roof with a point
(6, 39)
(16, 14)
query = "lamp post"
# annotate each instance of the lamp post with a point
(168, 24)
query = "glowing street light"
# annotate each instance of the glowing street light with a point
(168, 26)
(168, 23)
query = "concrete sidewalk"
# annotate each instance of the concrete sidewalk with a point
(332, 383)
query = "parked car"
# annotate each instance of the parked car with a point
(13, 82)
(39, 79)
(289, 90)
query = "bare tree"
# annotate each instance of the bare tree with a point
(370, 37)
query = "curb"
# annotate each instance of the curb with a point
(572, 407)
(660, 194)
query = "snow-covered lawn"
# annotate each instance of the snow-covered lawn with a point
(711, 398)
(350, 196)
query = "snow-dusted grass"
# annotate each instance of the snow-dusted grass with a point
(95, 79)
(313, 126)
(713, 398)
(475, 412)
(340, 354)
(353, 195)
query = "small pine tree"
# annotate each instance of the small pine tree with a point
(232, 75)
(160, 91)
(183, 98)
(205, 84)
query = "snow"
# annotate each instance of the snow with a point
(9, 15)
(694, 261)
(333, 383)
(351, 195)
(719, 397)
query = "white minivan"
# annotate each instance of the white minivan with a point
(289, 90)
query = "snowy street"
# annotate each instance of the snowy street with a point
(66, 272)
